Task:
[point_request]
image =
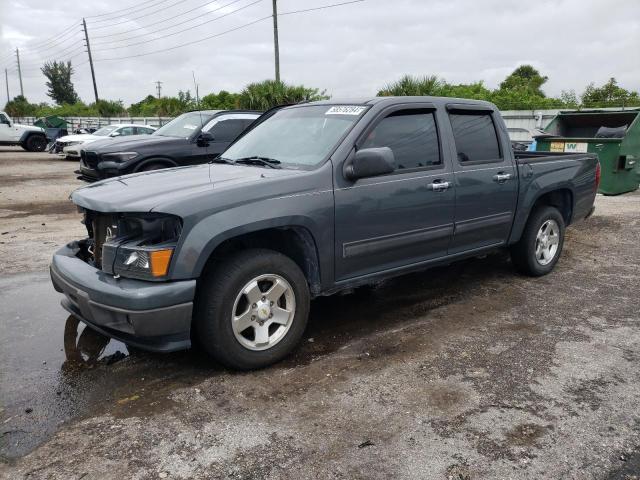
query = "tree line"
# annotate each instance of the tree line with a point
(521, 90)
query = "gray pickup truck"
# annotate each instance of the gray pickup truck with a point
(313, 199)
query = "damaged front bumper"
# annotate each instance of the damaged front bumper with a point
(148, 315)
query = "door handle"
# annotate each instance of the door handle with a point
(438, 186)
(501, 177)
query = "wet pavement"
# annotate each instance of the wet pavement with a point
(53, 369)
(465, 372)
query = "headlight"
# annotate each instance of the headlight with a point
(70, 144)
(119, 156)
(141, 246)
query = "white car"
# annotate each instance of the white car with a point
(69, 146)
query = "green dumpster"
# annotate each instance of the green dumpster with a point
(52, 121)
(613, 135)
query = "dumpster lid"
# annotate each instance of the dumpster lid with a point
(51, 121)
(587, 124)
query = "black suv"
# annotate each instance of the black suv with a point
(191, 138)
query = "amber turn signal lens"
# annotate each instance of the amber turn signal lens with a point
(160, 262)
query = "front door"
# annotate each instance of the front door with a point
(392, 221)
(6, 130)
(486, 183)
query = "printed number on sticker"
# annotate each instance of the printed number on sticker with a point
(345, 110)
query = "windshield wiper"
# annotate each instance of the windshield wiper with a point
(223, 160)
(256, 160)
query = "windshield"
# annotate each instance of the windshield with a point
(183, 126)
(298, 137)
(104, 131)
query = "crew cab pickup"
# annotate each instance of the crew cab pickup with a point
(313, 199)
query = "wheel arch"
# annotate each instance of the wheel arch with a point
(169, 162)
(30, 133)
(293, 240)
(562, 198)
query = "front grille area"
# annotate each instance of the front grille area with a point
(90, 159)
(100, 227)
(59, 146)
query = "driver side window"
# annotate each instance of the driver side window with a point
(4, 120)
(412, 137)
(126, 131)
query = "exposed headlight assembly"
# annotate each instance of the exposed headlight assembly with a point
(141, 245)
(119, 156)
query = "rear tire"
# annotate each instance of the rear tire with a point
(35, 143)
(241, 318)
(540, 246)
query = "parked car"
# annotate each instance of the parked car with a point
(32, 139)
(191, 138)
(313, 199)
(69, 146)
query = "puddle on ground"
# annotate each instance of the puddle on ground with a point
(53, 369)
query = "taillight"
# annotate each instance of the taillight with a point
(597, 175)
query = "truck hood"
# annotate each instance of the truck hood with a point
(82, 137)
(146, 191)
(131, 143)
(30, 128)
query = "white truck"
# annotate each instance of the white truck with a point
(32, 139)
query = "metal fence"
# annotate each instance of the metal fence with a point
(97, 122)
(520, 123)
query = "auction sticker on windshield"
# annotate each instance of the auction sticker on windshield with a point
(346, 110)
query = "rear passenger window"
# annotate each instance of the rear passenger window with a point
(475, 137)
(411, 135)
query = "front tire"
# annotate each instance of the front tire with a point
(540, 246)
(35, 143)
(252, 309)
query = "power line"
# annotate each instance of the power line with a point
(183, 30)
(141, 16)
(55, 37)
(57, 44)
(121, 10)
(161, 21)
(226, 31)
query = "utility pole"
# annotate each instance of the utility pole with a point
(93, 73)
(19, 71)
(275, 39)
(6, 79)
(159, 88)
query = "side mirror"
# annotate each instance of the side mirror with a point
(204, 138)
(115, 134)
(370, 162)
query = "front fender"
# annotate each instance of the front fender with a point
(199, 241)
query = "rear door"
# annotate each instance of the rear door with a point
(486, 180)
(392, 221)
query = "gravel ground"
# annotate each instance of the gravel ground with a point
(36, 216)
(462, 373)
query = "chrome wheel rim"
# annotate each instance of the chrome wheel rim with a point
(547, 242)
(263, 312)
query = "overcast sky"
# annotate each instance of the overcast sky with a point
(348, 50)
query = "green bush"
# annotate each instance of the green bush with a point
(269, 93)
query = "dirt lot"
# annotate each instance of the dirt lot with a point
(36, 216)
(462, 373)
